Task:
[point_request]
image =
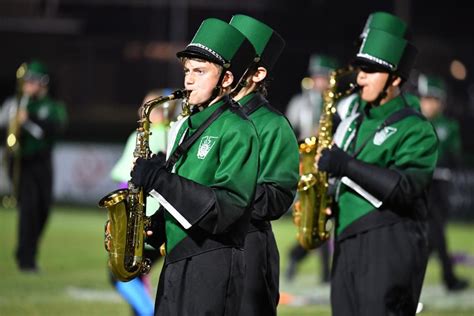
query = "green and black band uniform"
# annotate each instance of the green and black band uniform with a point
(381, 247)
(46, 121)
(206, 200)
(276, 188)
(277, 177)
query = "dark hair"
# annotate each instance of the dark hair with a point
(262, 86)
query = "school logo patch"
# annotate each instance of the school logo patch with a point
(205, 146)
(382, 135)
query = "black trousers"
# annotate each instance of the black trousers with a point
(298, 253)
(437, 218)
(210, 283)
(261, 286)
(379, 272)
(35, 198)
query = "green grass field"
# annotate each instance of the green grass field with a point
(73, 278)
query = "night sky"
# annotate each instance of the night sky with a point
(107, 54)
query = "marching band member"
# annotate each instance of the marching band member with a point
(278, 172)
(206, 200)
(41, 120)
(385, 156)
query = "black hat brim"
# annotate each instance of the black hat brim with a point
(369, 65)
(200, 53)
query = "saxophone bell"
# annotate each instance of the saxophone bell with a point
(127, 221)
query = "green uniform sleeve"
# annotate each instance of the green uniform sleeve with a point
(278, 175)
(415, 160)
(216, 207)
(236, 179)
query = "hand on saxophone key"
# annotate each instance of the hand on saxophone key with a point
(146, 171)
(319, 154)
(333, 161)
(162, 247)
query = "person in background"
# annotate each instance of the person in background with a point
(137, 292)
(432, 90)
(41, 121)
(207, 185)
(383, 157)
(278, 172)
(304, 111)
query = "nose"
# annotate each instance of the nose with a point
(188, 80)
(361, 77)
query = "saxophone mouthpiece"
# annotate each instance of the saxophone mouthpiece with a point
(179, 94)
(355, 87)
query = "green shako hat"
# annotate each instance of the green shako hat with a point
(386, 22)
(218, 42)
(37, 71)
(321, 65)
(431, 86)
(268, 44)
(385, 52)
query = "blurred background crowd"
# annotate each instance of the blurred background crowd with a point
(103, 56)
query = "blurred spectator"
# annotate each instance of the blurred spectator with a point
(304, 109)
(432, 91)
(34, 121)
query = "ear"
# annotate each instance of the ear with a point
(397, 81)
(228, 79)
(260, 74)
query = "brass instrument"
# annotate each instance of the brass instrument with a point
(127, 218)
(12, 148)
(309, 213)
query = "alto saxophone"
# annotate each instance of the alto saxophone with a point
(309, 213)
(127, 218)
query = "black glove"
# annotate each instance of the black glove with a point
(157, 226)
(159, 158)
(146, 171)
(334, 161)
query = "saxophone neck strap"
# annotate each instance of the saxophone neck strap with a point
(254, 104)
(395, 117)
(189, 140)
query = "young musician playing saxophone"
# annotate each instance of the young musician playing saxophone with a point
(384, 157)
(208, 183)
